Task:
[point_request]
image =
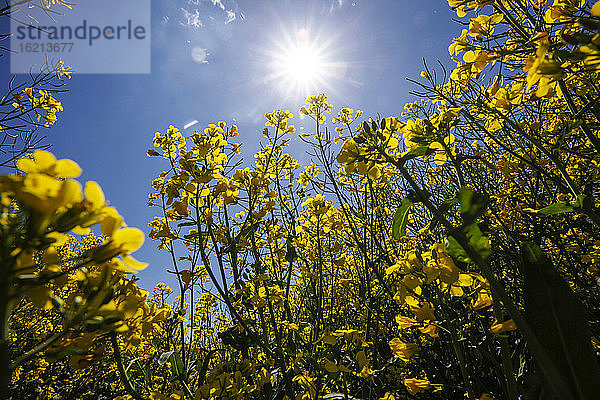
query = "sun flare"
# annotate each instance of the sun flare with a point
(302, 63)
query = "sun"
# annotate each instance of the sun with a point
(301, 64)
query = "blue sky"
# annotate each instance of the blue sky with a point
(212, 60)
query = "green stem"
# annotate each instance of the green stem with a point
(122, 373)
(33, 352)
(461, 361)
(553, 376)
(573, 109)
(507, 366)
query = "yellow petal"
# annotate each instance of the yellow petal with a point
(456, 291)
(405, 322)
(429, 329)
(465, 280)
(483, 300)
(94, 194)
(70, 193)
(67, 169)
(469, 56)
(361, 357)
(393, 143)
(506, 326)
(449, 272)
(59, 238)
(436, 146)
(411, 300)
(111, 221)
(403, 351)
(44, 159)
(27, 165)
(36, 191)
(331, 367)
(133, 264)
(440, 158)
(128, 239)
(424, 313)
(596, 9)
(415, 386)
(81, 231)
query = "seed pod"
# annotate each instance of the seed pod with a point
(366, 127)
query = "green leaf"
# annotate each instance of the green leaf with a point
(559, 208)
(177, 367)
(401, 219)
(356, 213)
(472, 205)
(147, 372)
(202, 368)
(249, 230)
(290, 251)
(417, 152)
(195, 235)
(558, 319)
(188, 223)
(477, 240)
(456, 251)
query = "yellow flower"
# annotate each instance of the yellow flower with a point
(506, 326)
(483, 299)
(484, 24)
(317, 205)
(403, 351)
(121, 243)
(405, 322)
(45, 162)
(459, 44)
(414, 385)
(45, 194)
(441, 155)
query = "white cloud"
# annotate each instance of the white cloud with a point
(200, 55)
(191, 13)
(230, 16)
(192, 18)
(218, 4)
(335, 4)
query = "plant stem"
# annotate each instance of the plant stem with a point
(122, 373)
